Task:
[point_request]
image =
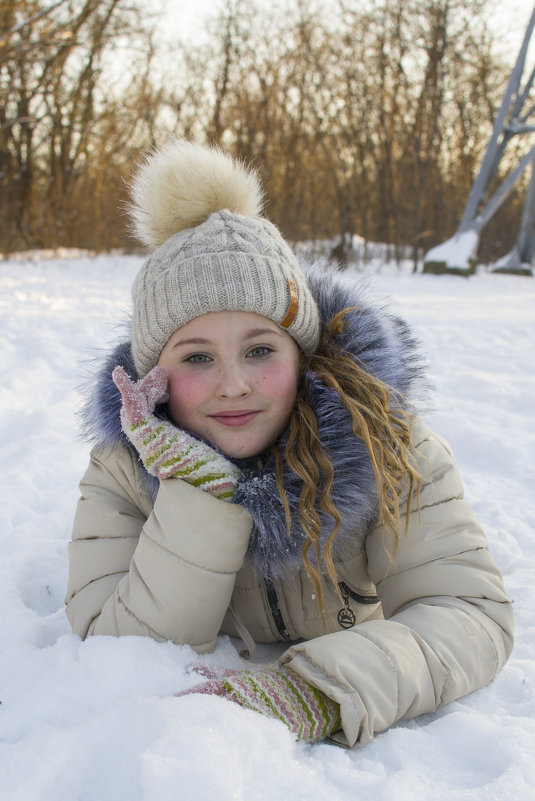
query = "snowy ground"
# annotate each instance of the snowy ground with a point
(94, 720)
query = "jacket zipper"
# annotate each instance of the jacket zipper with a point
(276, 614)
(346, 616)
(274, 607)
(360, 599)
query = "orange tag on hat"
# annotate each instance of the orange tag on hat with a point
(293, 306)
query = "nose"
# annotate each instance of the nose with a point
(233, 382)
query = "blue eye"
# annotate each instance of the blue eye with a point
(260, 352)
(197, 358)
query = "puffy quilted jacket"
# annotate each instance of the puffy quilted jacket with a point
(432, 623)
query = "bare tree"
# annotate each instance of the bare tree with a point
(364, 117)
(51, 73)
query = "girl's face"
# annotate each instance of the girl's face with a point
(233, 380)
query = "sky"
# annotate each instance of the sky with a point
(509, 19)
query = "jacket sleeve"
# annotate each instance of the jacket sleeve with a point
(166, 571)
(448, 622)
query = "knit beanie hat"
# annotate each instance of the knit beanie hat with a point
(198, 210)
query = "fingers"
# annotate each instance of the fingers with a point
(121, 380)
(210, 671)
(154, 386)
(134, 403)
(213, 687)
(139, 398)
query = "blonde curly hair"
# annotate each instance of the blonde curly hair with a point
(379, 419)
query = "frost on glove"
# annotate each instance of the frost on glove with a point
(165, 450)
(281, 694)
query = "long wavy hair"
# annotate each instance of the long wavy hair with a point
(379, 418)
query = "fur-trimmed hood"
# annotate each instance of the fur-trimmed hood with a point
(383, 344)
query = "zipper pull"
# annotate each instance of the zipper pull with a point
(346, 616)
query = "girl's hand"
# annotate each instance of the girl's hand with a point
(140, 399)
(165, 450)
(280, 694)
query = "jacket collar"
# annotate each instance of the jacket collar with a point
(382, 343)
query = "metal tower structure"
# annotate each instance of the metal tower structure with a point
(458, 254)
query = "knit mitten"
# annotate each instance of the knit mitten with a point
(165, 450)
(281, 694)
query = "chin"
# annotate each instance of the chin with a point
(239, 453)
(243, 451)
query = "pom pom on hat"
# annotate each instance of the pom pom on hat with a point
(180, 185)
(197, 209)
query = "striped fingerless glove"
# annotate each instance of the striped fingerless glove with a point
(281, 694)
(165, 450)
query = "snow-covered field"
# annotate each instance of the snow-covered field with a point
(95, 720)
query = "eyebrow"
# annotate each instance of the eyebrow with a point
(192, 341)
(252, 334)
(259, 332)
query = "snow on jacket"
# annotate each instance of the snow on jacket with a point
(166, 560)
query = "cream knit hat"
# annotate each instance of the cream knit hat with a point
(199, 208)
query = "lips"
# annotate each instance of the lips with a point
(235, 418)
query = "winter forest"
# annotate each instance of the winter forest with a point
(365, 118)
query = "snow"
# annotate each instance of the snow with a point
(455, 252)
(96, 720)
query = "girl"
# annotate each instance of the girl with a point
(259, 471)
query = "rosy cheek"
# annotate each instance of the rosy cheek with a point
(185, 391)
(279, 383)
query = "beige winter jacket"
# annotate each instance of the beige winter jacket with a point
(174, 570)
